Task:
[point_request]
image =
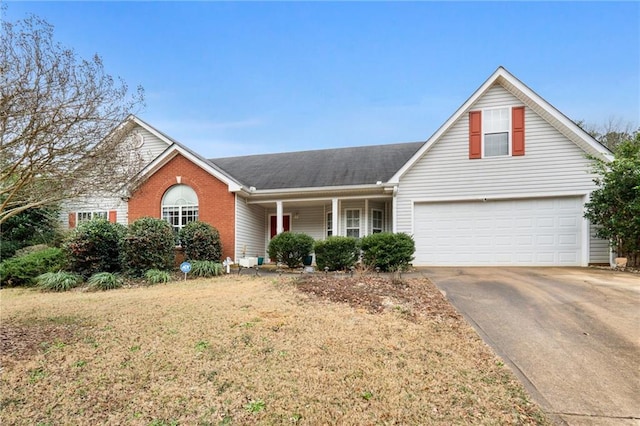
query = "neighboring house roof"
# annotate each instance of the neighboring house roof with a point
(364, 165)
(532, 100)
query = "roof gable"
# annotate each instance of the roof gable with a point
(532, 100)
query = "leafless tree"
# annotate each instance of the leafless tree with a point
(61, 131)
(611, 133)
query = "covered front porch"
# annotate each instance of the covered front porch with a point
(353, 215)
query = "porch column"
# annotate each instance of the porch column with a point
(366, 217)
(279, 225)
(335, 214)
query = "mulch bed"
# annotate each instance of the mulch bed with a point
(413, 297)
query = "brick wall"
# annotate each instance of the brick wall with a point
(215, 203)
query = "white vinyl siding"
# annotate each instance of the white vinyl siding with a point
(250, 229)
(96, 204)
(152, 145)
(599, 248)
(553, 165)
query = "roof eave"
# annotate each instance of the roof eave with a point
(523, 92)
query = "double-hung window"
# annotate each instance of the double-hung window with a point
(496, 124)
(376, 221)
(87, 216)
(497, 132)
(353, 222)
(329, 224)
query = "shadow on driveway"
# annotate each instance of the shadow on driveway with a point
(572, 335)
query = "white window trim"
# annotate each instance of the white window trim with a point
(180, 209)
(328, 229)
(373, 228)
(509, 131)
(346, 222)
(95, 214)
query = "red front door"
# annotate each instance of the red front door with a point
(286, 224)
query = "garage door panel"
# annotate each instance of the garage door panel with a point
(511, 232)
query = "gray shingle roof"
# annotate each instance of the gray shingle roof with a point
(326, 167)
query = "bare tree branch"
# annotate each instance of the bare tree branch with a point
(57, 119)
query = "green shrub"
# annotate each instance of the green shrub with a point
(201, 241)
(148, 244)
(156, 276)
(104, 281)
(37, 225)
(290, 248)
(388, 251)
(94, 246)
(336, 253)
(206, 268)
(23, 270)
(58, 281)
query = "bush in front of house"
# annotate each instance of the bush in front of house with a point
(58, 281)
(94, 246)
(23, 270)
(388, 251)
(105, 281)
(206, 268)
(148, 244)
(336, 253)
(290, 248)
(201, 241)
(157, 276)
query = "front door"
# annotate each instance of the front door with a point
(273, 228)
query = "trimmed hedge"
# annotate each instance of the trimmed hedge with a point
(201, 241)
(148, 244)
(94, 246)
(388, 251)
(290, 248)
(23, 270)
(336, 253)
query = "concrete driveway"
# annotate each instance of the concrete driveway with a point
(572, 335)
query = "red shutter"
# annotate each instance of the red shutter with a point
(475, 134)
(113, 216)
(72, 220)
(517, 128)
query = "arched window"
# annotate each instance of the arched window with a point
(180, 206)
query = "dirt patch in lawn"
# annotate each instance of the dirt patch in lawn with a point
(414, 298)
(239, 350)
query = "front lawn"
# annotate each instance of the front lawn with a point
(249, 350)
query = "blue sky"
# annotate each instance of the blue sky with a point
(236, 78)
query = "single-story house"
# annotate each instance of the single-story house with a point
(502, 182)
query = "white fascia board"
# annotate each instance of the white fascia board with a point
(289, 191)
(501, 72)
(502, 197)
(447, 124)
(176, 149)
(164, 138)
(588, 140)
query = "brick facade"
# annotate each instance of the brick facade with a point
(216, 205)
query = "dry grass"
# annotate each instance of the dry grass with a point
(243, 350)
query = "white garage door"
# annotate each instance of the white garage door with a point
(545, 231)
